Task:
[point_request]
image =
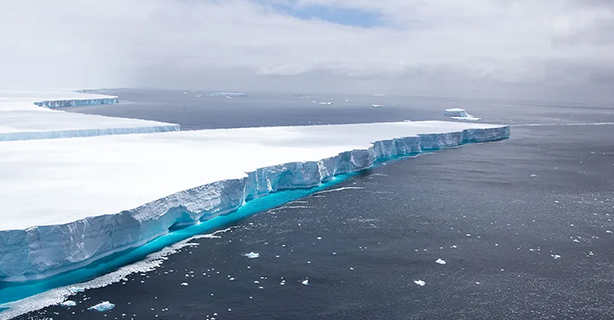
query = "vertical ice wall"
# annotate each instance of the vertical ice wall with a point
(43, 251)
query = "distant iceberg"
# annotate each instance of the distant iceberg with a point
(228, 94)
(460, 114)
(102, 307)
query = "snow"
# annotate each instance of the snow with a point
(82, 199)
(22, 119)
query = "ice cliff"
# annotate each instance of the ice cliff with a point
(76, 102)
(42, 251)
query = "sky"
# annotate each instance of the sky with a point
(524, 49)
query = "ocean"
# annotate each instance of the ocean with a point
(523, 225)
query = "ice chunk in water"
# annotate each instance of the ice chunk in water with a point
(253, 255)
(102, 307)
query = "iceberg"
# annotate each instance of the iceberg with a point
(460, 114)
(68, 202)
(28, 115)
(102, 307)
(68, 304)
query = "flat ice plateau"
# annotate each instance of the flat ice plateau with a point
(26, 115)
(66, 202)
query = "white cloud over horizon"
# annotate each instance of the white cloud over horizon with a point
(504, 48)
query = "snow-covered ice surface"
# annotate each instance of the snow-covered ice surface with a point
(82, 199)
(28, 115)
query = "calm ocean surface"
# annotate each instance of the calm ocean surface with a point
(524, 225)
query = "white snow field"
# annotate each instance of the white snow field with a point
(26, 115)
(65, 202)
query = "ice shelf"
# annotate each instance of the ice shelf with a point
(65, 202)
(27, 115)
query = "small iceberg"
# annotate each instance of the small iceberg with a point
(102, 307)
(68, 303)
(420, 283)
(377, 106)
(440, 261)
(460, 114)
(252, 255)
(305, 282)
(326, 103)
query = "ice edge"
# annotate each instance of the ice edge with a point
(44, 251)
(77, 102)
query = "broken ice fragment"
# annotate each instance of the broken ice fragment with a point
(102, 307)
(68, 303)
(252, 255)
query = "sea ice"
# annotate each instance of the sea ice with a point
(102, 307)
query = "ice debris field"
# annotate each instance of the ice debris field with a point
(66, 202)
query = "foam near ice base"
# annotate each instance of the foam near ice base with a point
(65, 202)
(26, 116)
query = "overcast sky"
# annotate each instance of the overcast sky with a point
(545, 49)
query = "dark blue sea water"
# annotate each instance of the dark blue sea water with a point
(524, 225)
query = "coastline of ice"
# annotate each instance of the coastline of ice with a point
(33, 250)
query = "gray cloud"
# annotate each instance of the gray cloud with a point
(446, 48)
